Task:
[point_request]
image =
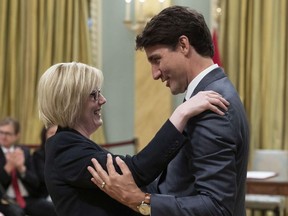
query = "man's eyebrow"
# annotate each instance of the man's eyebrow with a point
(152, 57)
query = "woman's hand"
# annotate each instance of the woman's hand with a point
(203, 100)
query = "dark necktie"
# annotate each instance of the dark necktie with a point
(19, 198)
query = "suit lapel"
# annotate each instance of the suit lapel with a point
(2, 155)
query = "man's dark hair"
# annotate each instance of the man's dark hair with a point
(173, 22)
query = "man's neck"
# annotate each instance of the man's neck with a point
(199, 64)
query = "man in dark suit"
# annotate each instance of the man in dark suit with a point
(208, 176)
(17, 175)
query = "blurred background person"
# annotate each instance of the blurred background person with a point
(39, 159)
(17, 174)
(8, 206)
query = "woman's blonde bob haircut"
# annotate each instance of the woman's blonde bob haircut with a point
(62, 91)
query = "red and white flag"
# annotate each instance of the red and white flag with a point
(216, 57)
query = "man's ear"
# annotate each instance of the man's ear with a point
(184, 44)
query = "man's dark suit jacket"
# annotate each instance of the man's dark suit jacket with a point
(35, 205)
(207, 177)
(68, 154)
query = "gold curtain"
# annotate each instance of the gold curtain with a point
(254, 48)
(34, 35)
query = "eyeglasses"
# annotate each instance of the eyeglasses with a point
(4, 133)
(96, 94)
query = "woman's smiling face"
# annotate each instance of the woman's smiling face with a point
(90, 119)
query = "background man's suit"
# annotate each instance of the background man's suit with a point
(34, 204)
(30, 180)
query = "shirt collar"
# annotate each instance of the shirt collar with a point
(192, 85)
(5, 150)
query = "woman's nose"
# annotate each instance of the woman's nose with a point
(102, 99)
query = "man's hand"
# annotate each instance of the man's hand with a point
(19, 160)
(9, 166)
(15, 160)
(120, 187)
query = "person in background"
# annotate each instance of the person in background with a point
(208, 176)
(17, 174)
(8, 206)
(69, 96)
(39, 159)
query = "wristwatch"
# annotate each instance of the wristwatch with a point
(144, 208)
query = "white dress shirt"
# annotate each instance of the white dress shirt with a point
(192, 85)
